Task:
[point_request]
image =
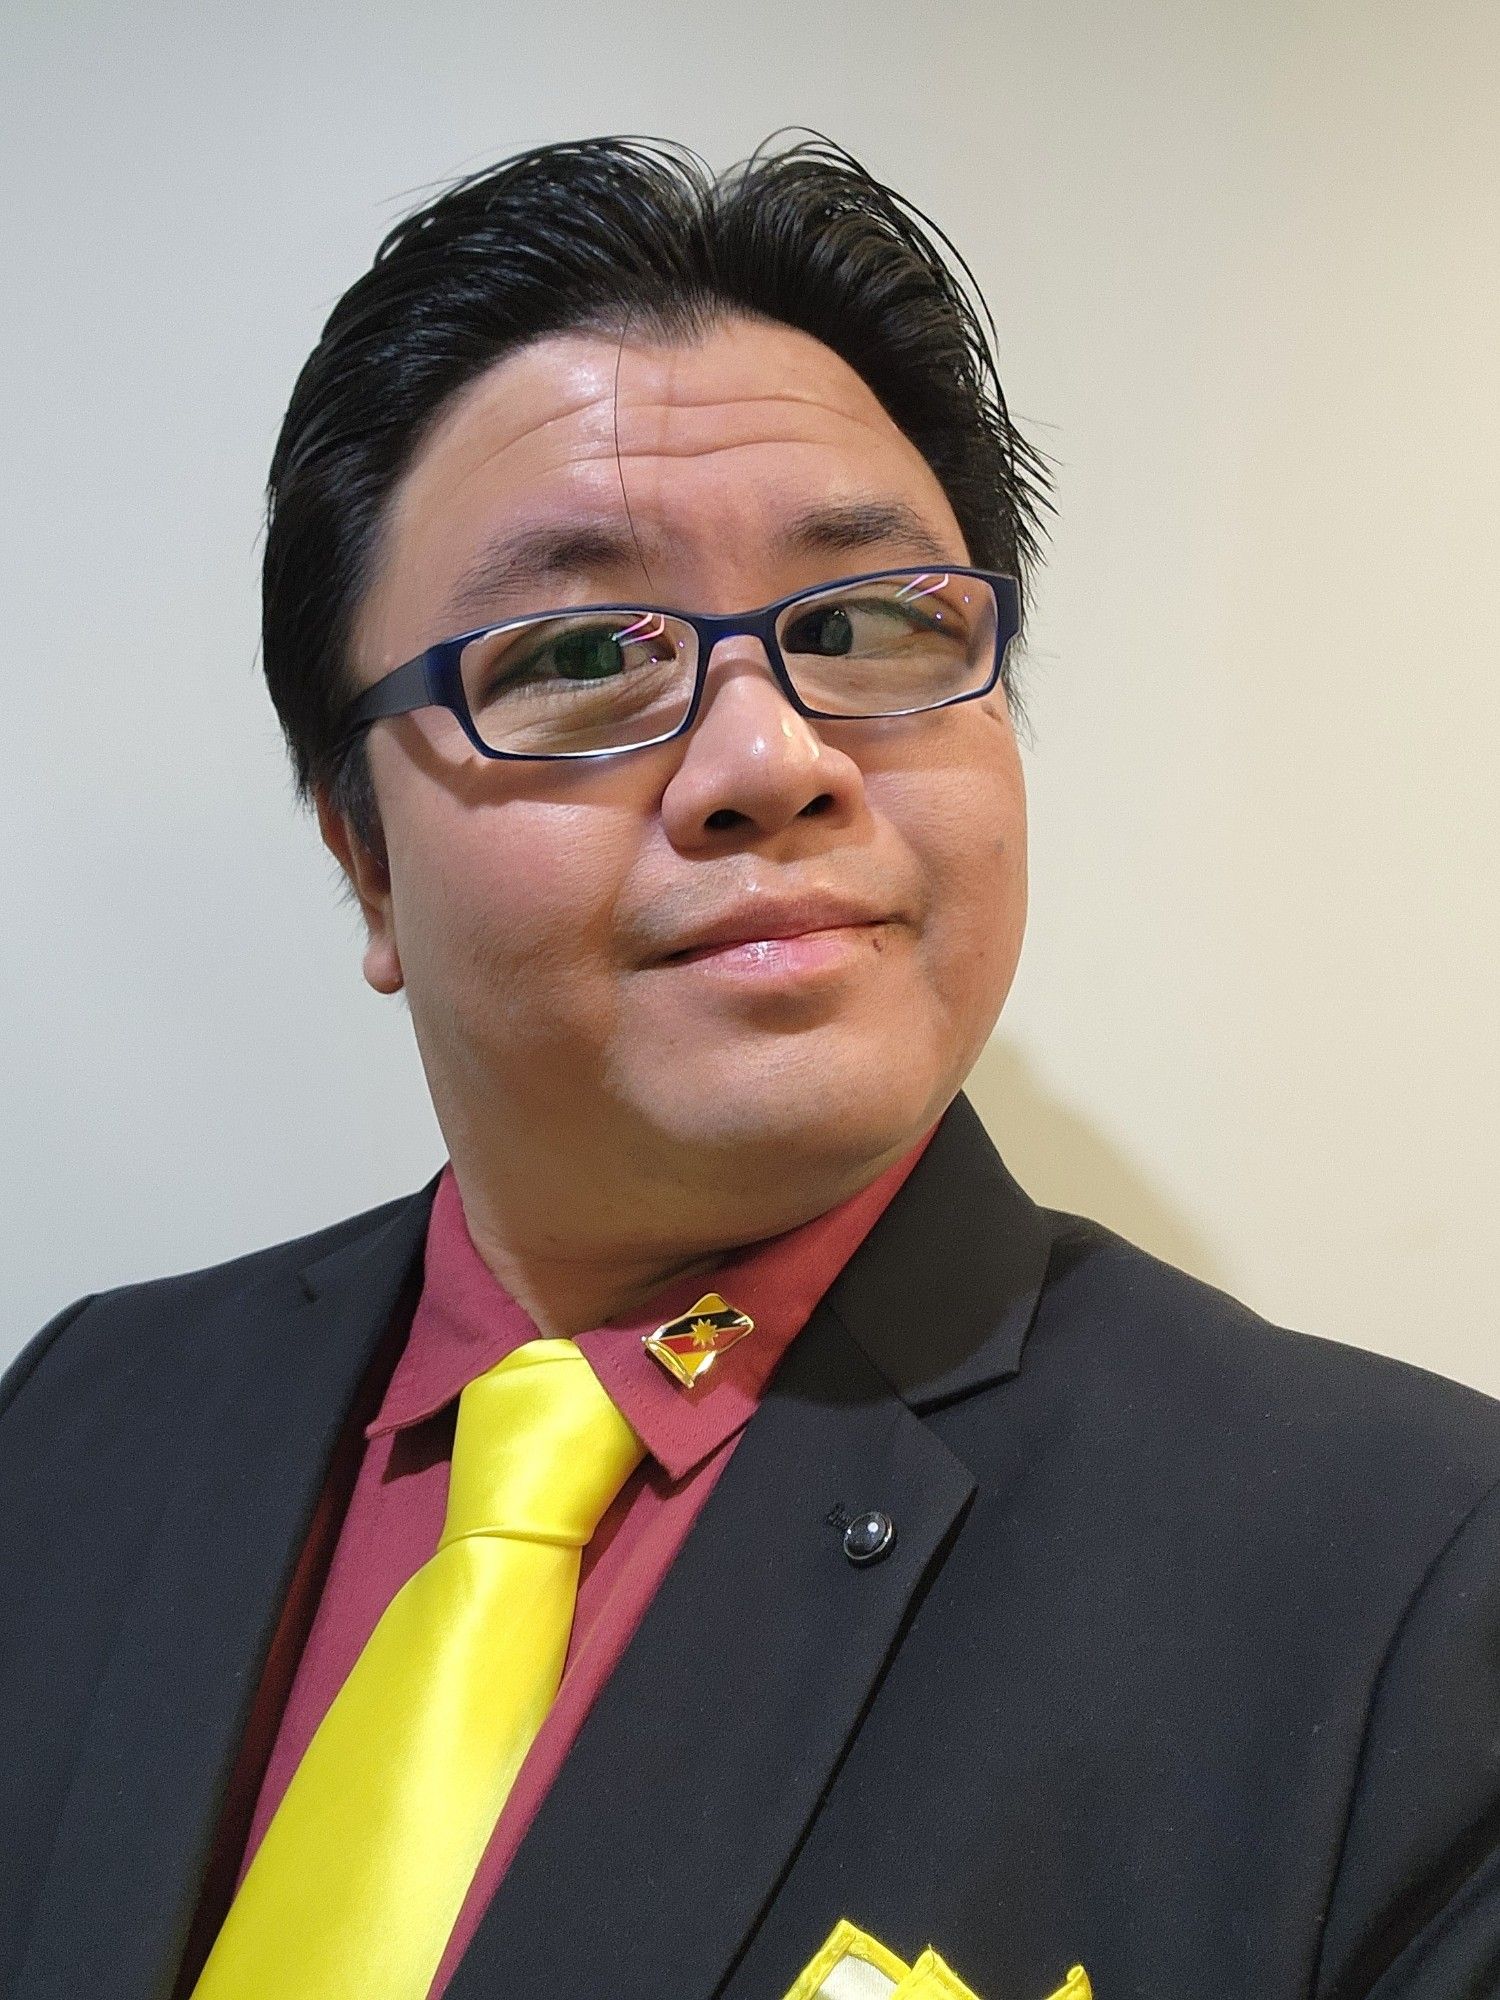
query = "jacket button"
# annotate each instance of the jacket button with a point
(868, 1538)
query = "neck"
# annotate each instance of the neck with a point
(576, 1258)
(566, 1296)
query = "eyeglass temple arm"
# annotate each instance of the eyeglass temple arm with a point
(398, 693)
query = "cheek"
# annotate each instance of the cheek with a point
(967, 831)
(509, 913)
(979, 895)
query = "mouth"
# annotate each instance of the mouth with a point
(775, 919)
(798, 954)
(769, 937)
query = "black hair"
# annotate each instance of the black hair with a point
(581, 236)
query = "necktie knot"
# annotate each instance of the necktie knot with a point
(539, 1450)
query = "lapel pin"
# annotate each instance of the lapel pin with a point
(686, 1346)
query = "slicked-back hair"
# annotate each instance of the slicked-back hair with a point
(613, 235)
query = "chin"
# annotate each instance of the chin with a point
(816, 1114)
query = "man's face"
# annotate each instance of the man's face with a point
(530, 909)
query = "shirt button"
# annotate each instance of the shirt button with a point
(869, 1537)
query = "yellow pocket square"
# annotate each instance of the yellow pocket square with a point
(852, 1965)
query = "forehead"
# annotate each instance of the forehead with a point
(713, 443)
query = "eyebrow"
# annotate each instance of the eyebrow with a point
(514, 564)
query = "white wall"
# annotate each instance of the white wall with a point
(1246, 266)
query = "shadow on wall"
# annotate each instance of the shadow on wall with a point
(1063, 1162)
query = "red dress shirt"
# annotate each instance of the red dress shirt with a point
(380, 1516)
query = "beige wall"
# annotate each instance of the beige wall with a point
(1246, 266)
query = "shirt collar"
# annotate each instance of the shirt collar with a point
(466, 1321)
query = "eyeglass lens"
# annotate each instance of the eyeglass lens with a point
(566, 685)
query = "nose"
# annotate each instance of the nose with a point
(751, 766)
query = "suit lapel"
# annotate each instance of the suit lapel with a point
(161, 1737)
(942, 1293)
(687, 1792)
(685, 1795)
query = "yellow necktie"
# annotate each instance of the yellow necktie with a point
(361, 1874)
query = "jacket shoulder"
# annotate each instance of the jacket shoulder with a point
(1192, 1362)
(178, 1295)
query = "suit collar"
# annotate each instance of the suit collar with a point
(942, 1295)
(378, 1257)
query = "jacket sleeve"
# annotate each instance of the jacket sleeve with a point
(1415, 1908)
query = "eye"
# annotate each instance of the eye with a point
(868, 625)
(592, 653)
(828, 630)
(576, 652)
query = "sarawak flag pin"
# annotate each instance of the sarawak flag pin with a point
(686, 1346)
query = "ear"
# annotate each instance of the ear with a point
(369, 877)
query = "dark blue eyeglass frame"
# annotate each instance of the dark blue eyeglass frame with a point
(433, 679)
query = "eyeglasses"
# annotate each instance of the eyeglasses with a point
(596, 679)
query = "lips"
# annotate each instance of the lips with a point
(765, 919)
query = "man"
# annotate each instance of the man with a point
(719, 1536)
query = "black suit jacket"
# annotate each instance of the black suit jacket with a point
(1184, 1663)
